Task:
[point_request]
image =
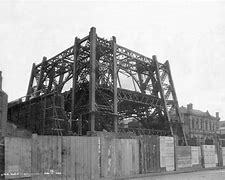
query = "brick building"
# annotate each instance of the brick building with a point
(200, 127)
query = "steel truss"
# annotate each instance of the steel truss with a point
(108, 84)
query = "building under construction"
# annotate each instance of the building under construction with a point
(96, 85)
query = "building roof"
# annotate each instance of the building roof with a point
(184, 110)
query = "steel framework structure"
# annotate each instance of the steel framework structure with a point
(108, 83)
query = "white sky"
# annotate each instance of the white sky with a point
(190, 34)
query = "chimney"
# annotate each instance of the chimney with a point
(0, 80)
(217, 115)
(189, 106)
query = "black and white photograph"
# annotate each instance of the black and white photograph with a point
(112, 90)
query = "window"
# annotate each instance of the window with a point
(197, 124)
(193, 123)
(200, 124)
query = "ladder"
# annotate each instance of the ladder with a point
(54, 115)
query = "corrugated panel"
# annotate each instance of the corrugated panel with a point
(209, 156)
(183, 154)
(46, 157)
(195, 155)
(17, 157)
(119, 157)
(166, 153)
(149, 154)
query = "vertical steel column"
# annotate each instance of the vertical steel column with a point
(30, 81)
(115, 85)
(75, 53)
(162, 93)
(175, 97)
(39, 83)
(80, 125)
(92, 85)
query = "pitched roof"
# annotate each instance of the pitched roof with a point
(184, 110)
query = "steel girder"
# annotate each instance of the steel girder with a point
(103, 83)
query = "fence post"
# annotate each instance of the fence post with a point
(175, 152)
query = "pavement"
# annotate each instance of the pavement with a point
(216, 173)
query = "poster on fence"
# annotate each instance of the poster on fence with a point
(209, 156)
(167, 153)
(223, 152)
(195, 154)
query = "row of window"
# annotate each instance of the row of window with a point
(202, 124)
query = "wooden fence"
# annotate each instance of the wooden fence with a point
(119, 157)
(223, 155)
(166, 145)
(183, 156)
(210, 158)
(196, 156)
(149, 154)
(88, 158)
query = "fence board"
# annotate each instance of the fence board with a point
(149, 154)
(209, 156)
(183, 154)
(223, 153)
(166, 153)
(119, 157)
(46, 157)
(80, 158)
(196, 155)
(17, 157)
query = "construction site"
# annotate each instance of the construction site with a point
(71, 122)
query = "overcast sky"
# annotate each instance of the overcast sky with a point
(190, 34)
